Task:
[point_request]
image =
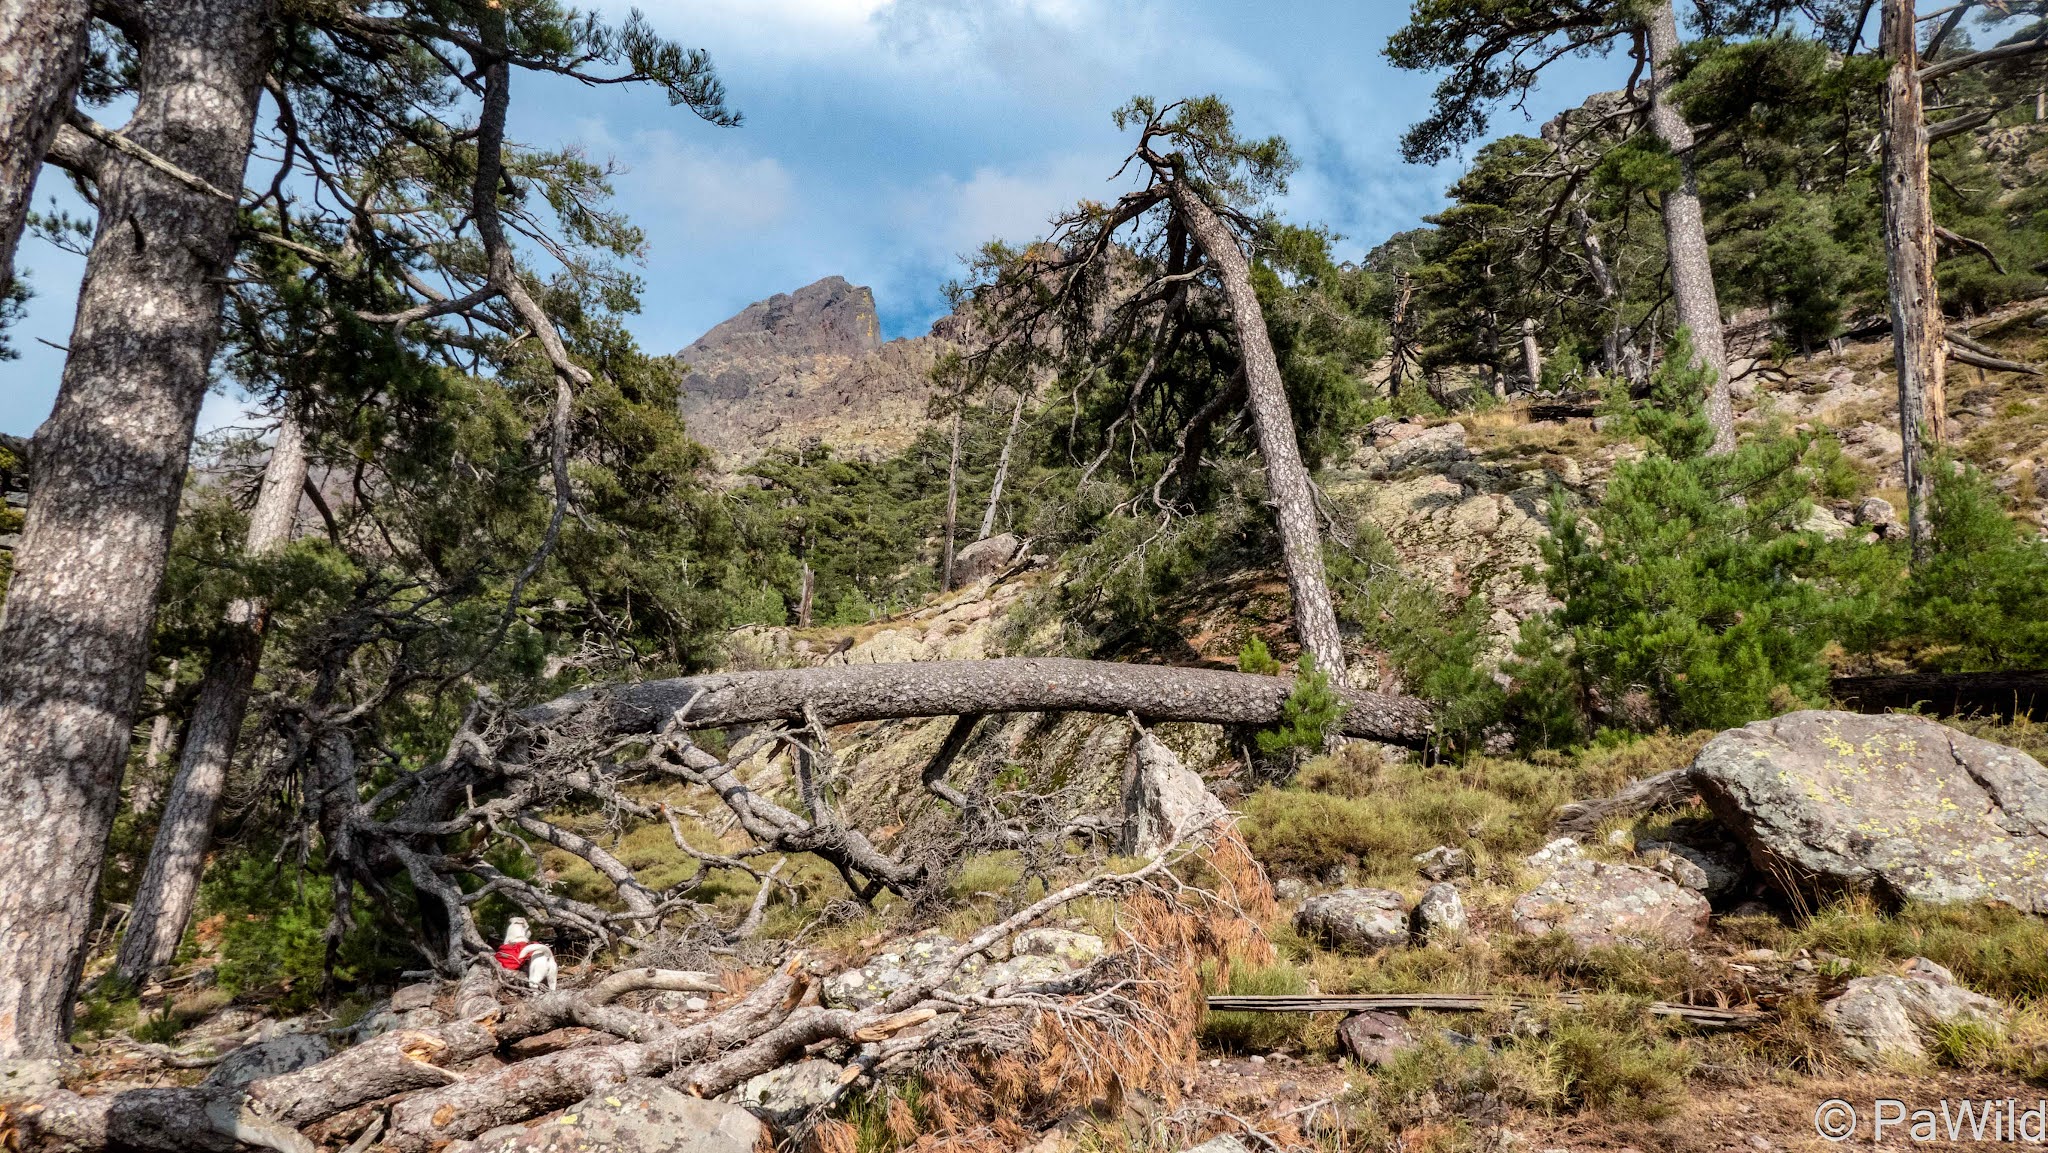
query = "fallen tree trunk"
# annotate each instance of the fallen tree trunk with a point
(1582, 818)
(2004, 695)
(845, 694)
(1455, 1003)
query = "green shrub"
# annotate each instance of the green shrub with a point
(273, 932)
(1312, 707)
(1255, 658)
(1690, 599)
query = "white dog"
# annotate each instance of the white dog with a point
(519, 952)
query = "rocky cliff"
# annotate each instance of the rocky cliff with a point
(807, 364)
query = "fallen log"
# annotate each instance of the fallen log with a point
(1458, 1003)
(1583, 818)
(2003, 695)
(843, 694)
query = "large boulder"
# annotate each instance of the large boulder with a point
(639, 1116)
(985, 558)
(1597, 903)
(1897, 805)
(1163, 799)
(1361, 919)
(1893, 1017)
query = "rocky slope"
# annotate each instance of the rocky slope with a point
(807, 365)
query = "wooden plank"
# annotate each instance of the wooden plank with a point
(1454, 1003)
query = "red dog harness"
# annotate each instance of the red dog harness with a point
(513, 954)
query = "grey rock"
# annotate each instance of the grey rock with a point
(1444, 862)
(1029, 969)
(1439, 913)
(1897, 805)
(1373, 1039)
(1678, 868)
(27, 1078)
(638, 1116)
(285, 1053)
(1362, 919)
(1872, 511)
(1883, 1018)
(1597, 903)
(1162, 799)
(1558, 852)
(1823, 523)
(1222, 1144)
(1072, 949)
(985, 558)
(384, 1021)
(892, 969)
(783, 1096)
(1290, 888)
(1431, 448)
(1714, 869)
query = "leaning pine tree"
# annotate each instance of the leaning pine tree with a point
(1155, 279)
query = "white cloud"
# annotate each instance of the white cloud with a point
(713, 188)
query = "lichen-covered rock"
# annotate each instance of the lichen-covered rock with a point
(1439, 913)
(1362, 919)
(1597, 903)
(284, 1053)
(1558, 852)
(638, 1116)
(1163, 799)
(1893, 1017)
(782, 1096)
(1224, 1143)
(1029, 969)
(1073, 949)
(1373, 1039)
(1432, 447)
(888, 971)
(1898, 805)
(1443, 862)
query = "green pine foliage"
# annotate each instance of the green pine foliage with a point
(1691, 599)
(1312, 708)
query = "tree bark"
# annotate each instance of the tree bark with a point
(952, 506)
(1532, 357)
(42, 54)
(806, 591)
(995, 492)
(1397, 333)
(844, 694)
(163, 899)
(109, 467)
(1909, 244)
(144, 790)
(1287, 481)
(1685, 231)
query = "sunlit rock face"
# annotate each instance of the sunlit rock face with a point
(807, 366)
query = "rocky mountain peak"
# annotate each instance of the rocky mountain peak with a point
(827, 317)
(809, 364)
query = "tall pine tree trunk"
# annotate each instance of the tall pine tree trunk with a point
(143, 790)
(1532, 357)
(42, 53)
(1685, 230)
(952, 505)
(1909, 243)
(163, 900)
(1287, 481)
(109, 467)
(995, 492)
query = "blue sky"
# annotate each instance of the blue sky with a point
(885, 138)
